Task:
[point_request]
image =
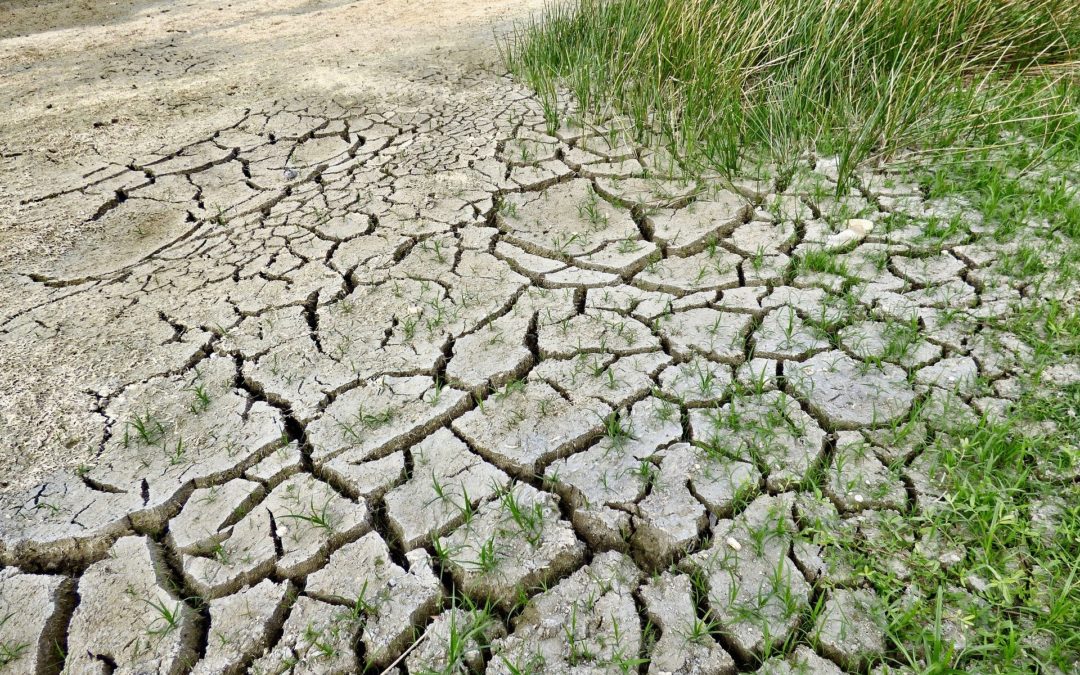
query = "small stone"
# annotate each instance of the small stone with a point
(860, 226)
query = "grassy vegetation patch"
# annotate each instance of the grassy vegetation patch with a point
(977, 104)
(994, 584)
(732, 80)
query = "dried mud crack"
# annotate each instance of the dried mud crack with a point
(432, 387)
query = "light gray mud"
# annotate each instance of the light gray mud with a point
(315, 339)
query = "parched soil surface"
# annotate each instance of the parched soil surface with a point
(314, 340)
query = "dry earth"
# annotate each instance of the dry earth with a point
(90, 88)
(311, 336)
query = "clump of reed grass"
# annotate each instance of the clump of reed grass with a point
(722, 81)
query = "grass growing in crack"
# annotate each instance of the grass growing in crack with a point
(509, 389)
(466, 636)
(166, 619)
(721, 81)
(901, 337)
(1000, 185)
(442, 552)
(364, 420)
(147, 427)
(529, 519)
(176, 453)
(995, 584)
(321, 646)
(646, 472)
(10, 652)
(622, 660)
(629, 245)
(590, 210)
(617, 429)
(221, 554)
(362, 606)
(319, 517)
(467, 632)
(820, 260)
(533, 664)
(578, 648)
(436, 391)
(466, 508)
(487, 559)
(202, 398)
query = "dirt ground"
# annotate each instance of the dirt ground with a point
(86, 82)
(85, 85)
(323, 351)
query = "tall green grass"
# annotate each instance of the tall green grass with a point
(724, 80)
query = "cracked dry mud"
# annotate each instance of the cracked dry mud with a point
(333, 371)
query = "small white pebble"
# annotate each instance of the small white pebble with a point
(858, 499)
(860, 226)
(734, 544)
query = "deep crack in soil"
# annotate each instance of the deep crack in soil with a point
(322, 351)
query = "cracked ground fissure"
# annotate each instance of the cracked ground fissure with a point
(396, 362)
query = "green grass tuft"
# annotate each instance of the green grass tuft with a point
(727, 81)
